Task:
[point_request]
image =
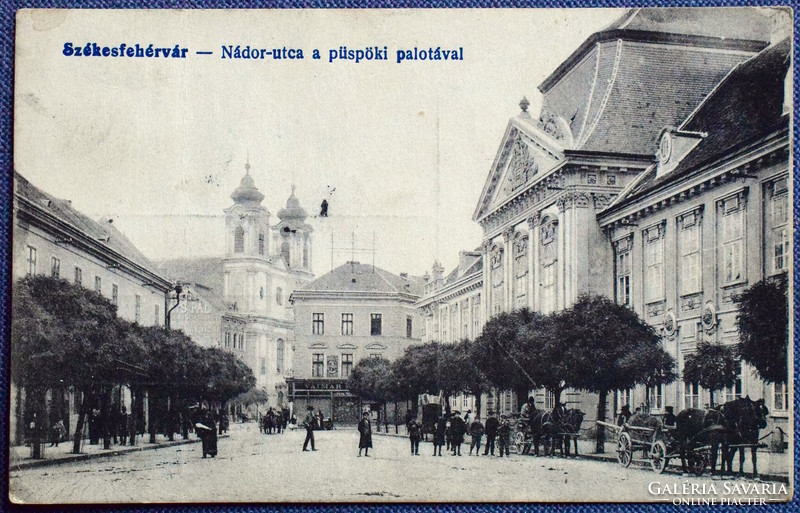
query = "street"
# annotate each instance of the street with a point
(252, 467)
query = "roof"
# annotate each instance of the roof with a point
(103, 232)
(744, 107)
(469, 263)
(358, 277)
(204, 274)
(648, 69)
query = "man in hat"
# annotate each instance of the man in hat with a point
(457, 430)
(492, 424)
(504, 436)
(308, 423)
(365, 431)
(669, 417)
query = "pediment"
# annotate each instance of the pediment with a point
(346, 346)
(318, 345)
(526, 153)
(375, 345)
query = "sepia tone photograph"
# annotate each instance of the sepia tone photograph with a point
(426, 256)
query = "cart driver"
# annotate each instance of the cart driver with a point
(669, 418)
(527, 411)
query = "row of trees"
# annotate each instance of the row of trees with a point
(64, 336)
(596, 346)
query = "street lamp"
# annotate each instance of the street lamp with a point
(178, 289)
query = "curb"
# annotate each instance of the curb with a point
(72, 458)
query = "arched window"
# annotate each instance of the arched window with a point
(285, 252)
(520, 270)
(305, 251)
(238, 240)
(497, 279)
(279, 355)
(548, 265)
(261, 243)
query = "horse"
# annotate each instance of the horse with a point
(542, 429)
(570, 425)
(695, 428)
(743, 418)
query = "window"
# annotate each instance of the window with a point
(655, 397)
(654, 263)
(454, 322)
(138, 308)
(279, 355)
(690, 254)
(735, 392)
(55, 267)
(521, 272)
(347, 324)
(623, 270)
(781, 396)
(347, 365)
(317, 324)
(465, 319)
(155, 317)
(496, 259)
(443, 315)
(623, 398)
(279, 295)
(548, 296)
(78, 276)
(98, 284)
(691, 395)
(305, 251)
(409, 327)
(261, 243)
(263, 366)
(238, 240)
(227, 339)
(114, 294)
(375, 324)
(317, 365)
(732, 237)
(375, 355)
(778, 230)
(508, 402)
(476, 316)
(31, 261)
(235, 338)
(549, 400)
(241, 341)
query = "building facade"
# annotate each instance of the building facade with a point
(356, 311)
(710, 218)
(52, 238)
(240, 302)
(599, 129)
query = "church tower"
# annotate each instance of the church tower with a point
(293, 236)
(246, 246)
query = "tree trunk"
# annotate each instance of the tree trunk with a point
(711, 397)
(601, 416)
(477, 395)
(76, 445)
(557, 396)
(105, 407)
(152, 404)
(133, 419)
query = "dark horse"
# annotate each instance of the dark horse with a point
(696, 430)
(570, 425)
(743, 420)
(542, 428)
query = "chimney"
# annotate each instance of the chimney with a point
(438, 274)
(404, 276)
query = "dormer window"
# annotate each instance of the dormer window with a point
(665, 148)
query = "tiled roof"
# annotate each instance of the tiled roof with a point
(358, 277)
(729, 23)
(103, 231)
(746, 105)
(205, 274)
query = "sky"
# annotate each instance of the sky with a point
(401, 151)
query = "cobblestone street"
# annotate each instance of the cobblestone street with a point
(252, 467)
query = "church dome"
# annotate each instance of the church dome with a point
(293, 210)
(247, 193)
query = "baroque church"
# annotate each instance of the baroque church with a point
(240, 302)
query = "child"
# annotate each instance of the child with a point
(504, 436)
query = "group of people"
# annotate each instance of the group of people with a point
(449, 431)
(274, 421)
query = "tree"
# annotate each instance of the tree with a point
(763, 323)
(415, 372)
(498, 352)
(544, 353)
(601, 341)
(371, 380)
(713, 366)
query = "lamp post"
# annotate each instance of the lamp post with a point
(178, 289)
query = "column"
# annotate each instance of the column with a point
(508, 268)
(487, 285)
(533, 260)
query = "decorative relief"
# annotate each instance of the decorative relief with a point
(522, 167)
(534, 220)
(527, 201)
(497, 258)
(508, 233)
(654, 232)
(708, 320)
(670, 325)
(591, 178)
(734, 202)
(548, 123)
(611, 179)
(691, 302)
(601, 201)
(625, 244)
(549, 231)
(656, 309)
(729, 294)
(520, 246)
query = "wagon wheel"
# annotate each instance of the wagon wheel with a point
(519, 442)
(624, 450)
(658, 456)
(696, 462)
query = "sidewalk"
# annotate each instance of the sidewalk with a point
(771, 466)
(19, 456)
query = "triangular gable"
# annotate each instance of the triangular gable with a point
(525, 154)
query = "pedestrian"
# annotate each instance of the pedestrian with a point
(414, 430)
(457, 430)
(467, 417)
(447, 430)
(308, 423)
(439, 429)
(669, 417)
(475, 433)
(624, 415)
(492, 424)
(365, 430)
(504, 436)
(57, 433)
(206, 429)
(122, 425)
